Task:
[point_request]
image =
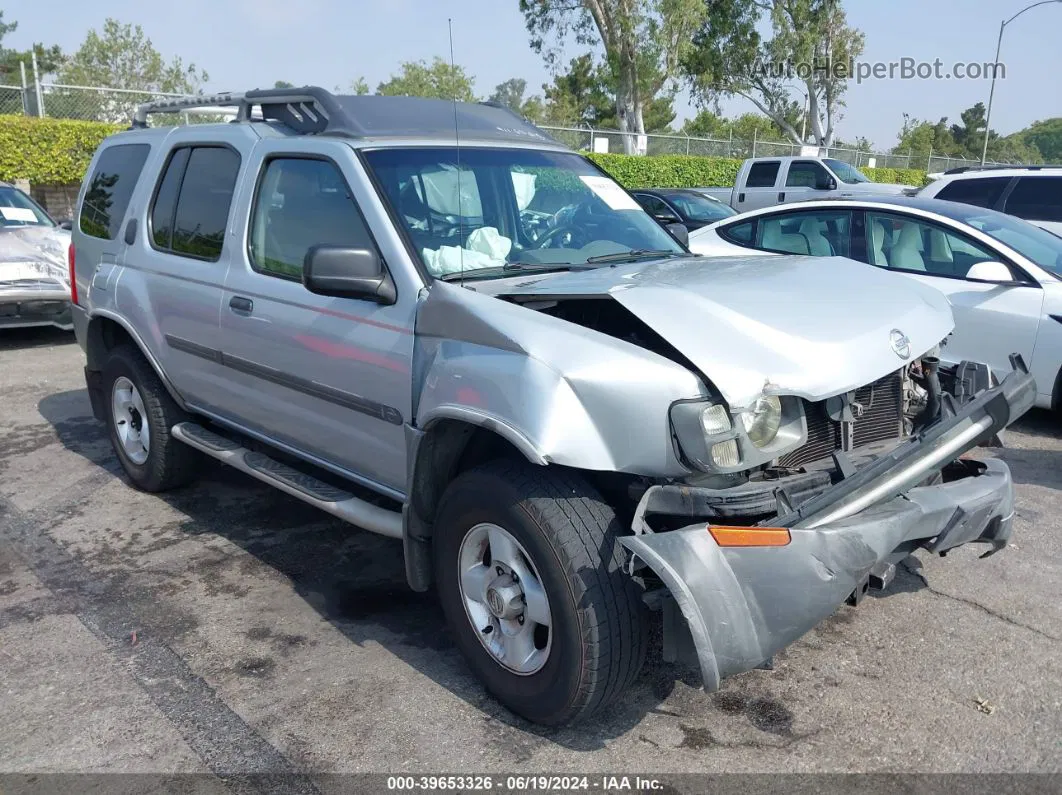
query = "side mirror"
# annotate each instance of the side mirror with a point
(66, 223)
(990, 271)
(826, 183)
(348, 273)
(680, 233)
(666, 218)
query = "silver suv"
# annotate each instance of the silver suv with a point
(435, 322)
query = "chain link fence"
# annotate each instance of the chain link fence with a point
(592, 140)
(117, 105)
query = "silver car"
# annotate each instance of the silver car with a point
(435, 322)
(34, 272)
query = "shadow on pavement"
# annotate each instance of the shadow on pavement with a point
(354, 579)
(36, 337)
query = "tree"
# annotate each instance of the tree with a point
(746, 127)
(283, 84)
(585, 95)
(511, 95)
(119, 57)
(642, 42)
(807, 58)
(970, 134)
(123, 57)
(439, 80)
(1046, 136)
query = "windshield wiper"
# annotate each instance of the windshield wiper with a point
(635, 253)
(511, 267)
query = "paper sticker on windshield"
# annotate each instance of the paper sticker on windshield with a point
(610, 193)
(18, 214)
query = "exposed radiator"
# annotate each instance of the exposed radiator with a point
(882, 420)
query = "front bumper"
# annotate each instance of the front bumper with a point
(742, 605)
(36, 305)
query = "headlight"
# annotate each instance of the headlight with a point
(762, 420)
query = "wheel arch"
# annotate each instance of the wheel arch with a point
(448, 444)
(104, 332)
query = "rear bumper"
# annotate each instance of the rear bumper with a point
(742, 605)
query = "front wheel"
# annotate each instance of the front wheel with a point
(530, 577)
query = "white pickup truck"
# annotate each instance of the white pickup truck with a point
(765, 181)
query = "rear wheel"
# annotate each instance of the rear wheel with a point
(140, 414)
(530, 577)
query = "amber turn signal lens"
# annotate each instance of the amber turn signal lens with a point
(749, 536)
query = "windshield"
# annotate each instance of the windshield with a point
(700, 208)
(1029, 240)
(845, 172)
(497, 211)
(18, 209)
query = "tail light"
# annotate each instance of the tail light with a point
(73, 274)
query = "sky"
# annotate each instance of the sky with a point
(246, 44)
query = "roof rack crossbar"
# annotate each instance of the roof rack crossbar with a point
(185, 104)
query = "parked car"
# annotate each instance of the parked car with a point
(565, 427)
(767, 181)
(679, 205)
(34, 278)
(1001, 274)
(1033, 193)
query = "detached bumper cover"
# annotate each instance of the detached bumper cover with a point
(742, 605)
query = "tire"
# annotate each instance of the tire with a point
(597, 633)
(165, 463)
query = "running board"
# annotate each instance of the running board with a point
(305, 487)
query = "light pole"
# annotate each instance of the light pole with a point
(995, 67)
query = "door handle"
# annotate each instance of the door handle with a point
(240, 304)
(741, 197)
(781, 196)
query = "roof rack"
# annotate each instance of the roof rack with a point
(306, 110)
(311, 110)
(1036, 167)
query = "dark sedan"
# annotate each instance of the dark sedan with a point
(679, 205)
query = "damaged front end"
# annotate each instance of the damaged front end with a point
(753, 566)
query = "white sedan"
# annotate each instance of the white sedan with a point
(1002, 275)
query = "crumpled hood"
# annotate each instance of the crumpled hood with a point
(790, 325)
(34, 253)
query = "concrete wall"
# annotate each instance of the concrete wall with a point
(58, 200)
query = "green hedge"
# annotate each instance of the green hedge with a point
(669, 171)
(683, 171)
(48, 151)
(897, 176)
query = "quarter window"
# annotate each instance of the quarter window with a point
(191, 208)
(302, 203)
(109, 189)
(741, 233)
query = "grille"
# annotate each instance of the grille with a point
(882, 420)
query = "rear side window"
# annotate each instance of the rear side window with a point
(741, 234)
(762, 175)
(1037, 199)
(191, 208)
(302, 203)
(109, 189)
(983, 192)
